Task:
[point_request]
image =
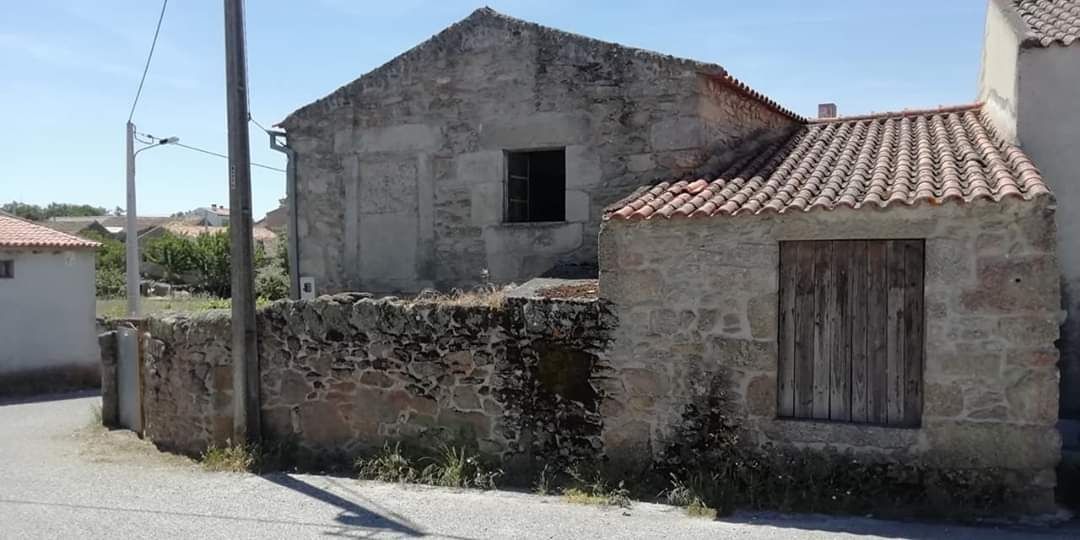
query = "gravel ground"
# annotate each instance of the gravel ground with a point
(61, 477)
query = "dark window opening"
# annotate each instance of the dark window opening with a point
(7, 269)
(536, 186)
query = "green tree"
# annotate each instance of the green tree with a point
(175, 255)
(34, 212)
(214, 263)
(109, 261)
(64, 209)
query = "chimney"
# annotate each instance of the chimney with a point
(826, 110)
(213, 206)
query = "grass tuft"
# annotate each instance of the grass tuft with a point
(699, 510)
(486, 296)
(116, 307)
(388, 465)
(544, 484)
(450, 467)
(595, 491)
(230, 458)
(683, 495)
(453, 467)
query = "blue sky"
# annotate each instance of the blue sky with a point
(70, 70)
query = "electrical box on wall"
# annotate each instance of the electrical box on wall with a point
(307, 288)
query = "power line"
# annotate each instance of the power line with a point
(204, 151)
(156, 140)
(146, 68)
(252, 118)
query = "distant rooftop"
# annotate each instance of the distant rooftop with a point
(20, 233)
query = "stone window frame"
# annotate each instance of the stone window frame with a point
(507, 153)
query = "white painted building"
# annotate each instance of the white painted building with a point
(47, 325)
(1030, 84)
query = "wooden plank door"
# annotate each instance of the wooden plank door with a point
(851, 340)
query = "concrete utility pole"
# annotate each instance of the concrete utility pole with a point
(246, 422)
(131, 236)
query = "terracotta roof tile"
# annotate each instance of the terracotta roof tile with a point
(1049, 21)
(19, 233)
(876, 161)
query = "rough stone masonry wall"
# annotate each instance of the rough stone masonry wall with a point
(417, 147)
(697, 303)
(341, 375)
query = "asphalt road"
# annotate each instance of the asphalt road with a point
(62, 478)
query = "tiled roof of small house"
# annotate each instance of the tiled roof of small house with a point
(874, 161)
(19, 233)
(1049, 21)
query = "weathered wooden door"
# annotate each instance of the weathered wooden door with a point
(851, 331)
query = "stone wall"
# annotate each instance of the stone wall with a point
(697, 307)
(417, 147)
(344, 374)
(686, 319)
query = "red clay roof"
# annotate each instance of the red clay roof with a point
(19, 233)
(1049, 21)
(877, 161)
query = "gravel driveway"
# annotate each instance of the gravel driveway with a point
(62, 478)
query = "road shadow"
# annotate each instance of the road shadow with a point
(899, 529)
(49, 396)
(352, 514)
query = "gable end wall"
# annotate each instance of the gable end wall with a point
(400, 175)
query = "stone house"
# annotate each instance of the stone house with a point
(211, 216)
(423, 172)
(277, 219)
(114, 226)
(494, 146)
(79, 228)
(47, 324)
(1029, 80)
(888, 285)
(884, 284)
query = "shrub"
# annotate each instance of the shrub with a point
(712, 463)
(271, 284)
(281, 253)
(109, 282)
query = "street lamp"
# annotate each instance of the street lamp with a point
(131, 237)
